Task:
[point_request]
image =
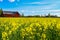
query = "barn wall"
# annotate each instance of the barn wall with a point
(11, 15)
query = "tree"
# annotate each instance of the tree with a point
(1, 12)
(22, 15)
(49, 15)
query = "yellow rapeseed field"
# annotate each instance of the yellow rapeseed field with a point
(29, 28)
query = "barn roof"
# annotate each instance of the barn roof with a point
(9, 12)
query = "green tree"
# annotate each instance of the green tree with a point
(1, 12)
(22, 15)
(49, 15)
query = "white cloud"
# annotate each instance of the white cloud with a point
(43, 12)
(51, 11)
(23, 10)
(11, 0)
(37, 3)
(1, 0)
(33, 11)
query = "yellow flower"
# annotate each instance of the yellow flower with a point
(6, 28)
(10, 32)
(44, 35)
(58, 26)
(4, 34)
(14, 24)
(28, 29)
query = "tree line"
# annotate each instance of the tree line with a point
(1, 12)
(49, 15)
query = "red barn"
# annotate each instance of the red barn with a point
(10, 14)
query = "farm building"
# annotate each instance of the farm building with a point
(10, 14)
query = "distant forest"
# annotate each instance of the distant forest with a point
(49, 15)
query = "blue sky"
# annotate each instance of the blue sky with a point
(32, 7)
